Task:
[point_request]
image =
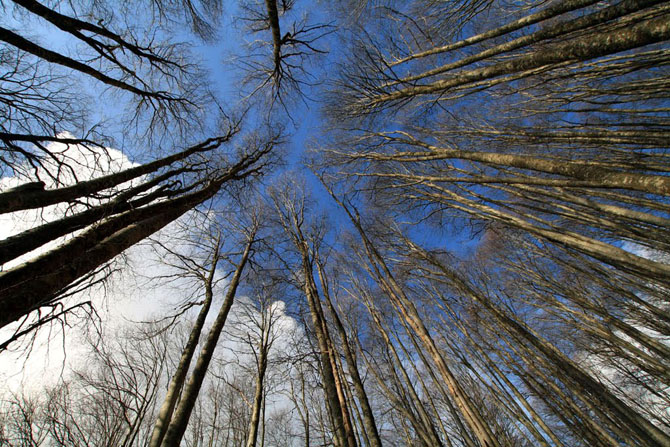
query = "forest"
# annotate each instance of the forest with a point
(349, 223)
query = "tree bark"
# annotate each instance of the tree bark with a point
(10, 202)
(182, 414)
(643, 429)
(258, 402)
(581, 49)
(179, 376)
(368, 417)
(408, 311)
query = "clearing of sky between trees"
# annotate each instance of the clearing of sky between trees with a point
(351, 223)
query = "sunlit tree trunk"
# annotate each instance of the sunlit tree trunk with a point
(292, 216)
(257, 407)
(179, 376)
(352, 368)
(408, 311)
(182, 413)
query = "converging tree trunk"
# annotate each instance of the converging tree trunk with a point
(180, 374)
(182, 413)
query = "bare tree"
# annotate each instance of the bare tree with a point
(108, 402)
(258, 325)
(369, 424)
(555, 178)
(293, 46)
(529, 126)
(103, 241)
(290, 208)
(205, 273)
(179, 421)
(43, 98)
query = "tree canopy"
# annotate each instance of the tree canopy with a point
(351, 223)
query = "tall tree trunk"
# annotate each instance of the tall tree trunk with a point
(258, 402)
(328, 374)
(580, 380)
(182, 414)
(593, 172)
(177, 382)
(11, 201)
(40, 281)
(583, 48)
(368, 417)
(471, 415)
(553, 10)
(339, 386)
(291, 214)
(423, 426)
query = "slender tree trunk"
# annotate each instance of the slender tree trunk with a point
(22, 243)
(339, 434)
(258, 401)
(586, 171)
(368, 417)
(177, 382)
(553, 10)
(423, 425)
(182, 414)
(292, 220)
(408, 311)
(614, 256)
(265, 401)
(339, 387)
(273, 22)
(584, 48)
(401, 405)
(581, 381)
(28, 46)
(548, 32)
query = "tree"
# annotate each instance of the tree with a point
(370, 426)
(529, 126)
(291, 213)
(116, 210)
(258, 326)
(205, 273)
(492, 269)
(530, 177)
(179, 421)
(292, 45)
(110, 401)
(22, 293)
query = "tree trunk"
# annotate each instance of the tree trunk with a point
(606, 401)
(177, 382)
(408, 311)
(368, 417)
(10, 201)
(581, 49)
(258, 401)
(182, 414)
(40, 281)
